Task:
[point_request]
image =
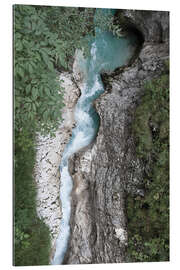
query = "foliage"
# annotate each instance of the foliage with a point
(44, 38)
(31, 235)
(108, 22)
(38, 95)
(21, 238)
(148, 217)
(72, 25)
(103, 19)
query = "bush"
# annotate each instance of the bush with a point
(148, 217)
(45, 39)
(31, 235)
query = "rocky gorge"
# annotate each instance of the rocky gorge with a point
(105, 171)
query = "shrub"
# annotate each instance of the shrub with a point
(148, 217)
(31, 235)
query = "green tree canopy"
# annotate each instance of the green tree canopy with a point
(44, 38)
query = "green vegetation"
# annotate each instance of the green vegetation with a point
(45, 39)
(148, 217)
(31, 235)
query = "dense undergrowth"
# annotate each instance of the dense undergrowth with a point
(148, 216)
(31, 235)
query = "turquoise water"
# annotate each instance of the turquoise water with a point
(107, 53)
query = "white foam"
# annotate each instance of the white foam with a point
(65, 195)
(86, 117)
(82, 136)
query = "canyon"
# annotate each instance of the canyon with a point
(107, 169)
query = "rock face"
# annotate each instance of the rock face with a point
(48, 157)
(106, 170)
(154, 25)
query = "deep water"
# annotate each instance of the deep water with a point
(107, 52)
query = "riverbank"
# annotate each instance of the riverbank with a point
(109, 169)
(48, 157)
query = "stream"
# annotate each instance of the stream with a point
(107, 52)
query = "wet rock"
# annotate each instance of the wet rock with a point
(108, 169)
(154, 25)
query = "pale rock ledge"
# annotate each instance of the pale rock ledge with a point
(48, 157)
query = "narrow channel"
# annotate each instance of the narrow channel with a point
(107, 52)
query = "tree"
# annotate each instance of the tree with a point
(44, 38)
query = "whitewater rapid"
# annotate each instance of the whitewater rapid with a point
(106, 53)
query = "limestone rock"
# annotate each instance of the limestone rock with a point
(48, 158)
(104, 172)
(108, 169)
(154, 25)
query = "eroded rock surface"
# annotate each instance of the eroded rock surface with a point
(106, 170)
(48, 158)
(154, 25)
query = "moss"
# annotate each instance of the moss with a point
(31, 235)
(148, 217)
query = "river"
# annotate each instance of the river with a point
(107, 52)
